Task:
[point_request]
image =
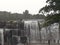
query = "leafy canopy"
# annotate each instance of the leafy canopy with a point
(53, 5)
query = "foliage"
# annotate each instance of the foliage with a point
(11, 24)
(53, 5)
(6, 16)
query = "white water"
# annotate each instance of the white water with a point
(1, 37)
(34, 32)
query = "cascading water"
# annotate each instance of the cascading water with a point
(33, 33)
(1, 37)
(32, 28)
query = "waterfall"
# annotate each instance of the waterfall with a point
(34, 31)
(1, 37)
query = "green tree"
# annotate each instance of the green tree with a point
(53, 12)
(25, 14)
(53, 5)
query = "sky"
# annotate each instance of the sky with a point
(19, 6)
